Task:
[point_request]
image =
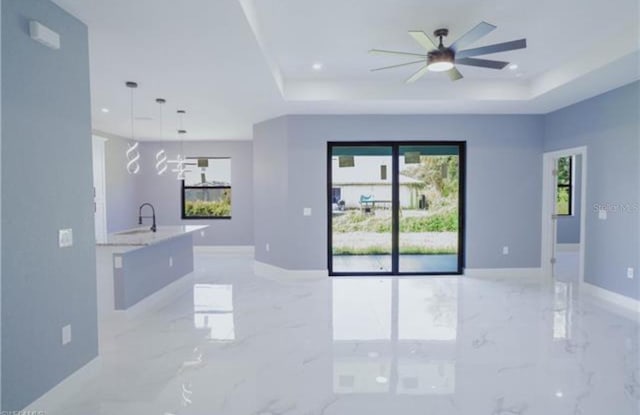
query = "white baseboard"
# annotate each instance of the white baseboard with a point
(503, 272)
(273, 272)
(219, 249)
(276, 273)
(568, 247)
(64, 390)
(619, 300)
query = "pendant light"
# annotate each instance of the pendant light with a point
(181, 160)
(133, 156)
(161, 156)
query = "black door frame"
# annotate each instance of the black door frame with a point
(395, 189)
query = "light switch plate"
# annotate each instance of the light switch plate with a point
(306, 212)
(202, 233)
(505, 250)
(170, 261)
(602, 214)
(66, 334)
(630, 273)
(117, 261)
(65, 238)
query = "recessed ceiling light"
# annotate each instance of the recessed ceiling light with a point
(559, 394)
(513, 66)
(318, 66)
(105, 110)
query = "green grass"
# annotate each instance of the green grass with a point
(355, 221)
(200, 208)
(405, 250)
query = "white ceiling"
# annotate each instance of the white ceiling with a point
(232, 63)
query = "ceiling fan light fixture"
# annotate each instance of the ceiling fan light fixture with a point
(440, 62)
(440, 66)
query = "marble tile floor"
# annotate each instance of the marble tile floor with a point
(238, 344)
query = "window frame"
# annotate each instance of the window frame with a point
(184, 188)
(568, 186)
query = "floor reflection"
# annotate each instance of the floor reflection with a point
(213, 310)
(379, 338)
(562, 314)
(241, 344)
(428, 311)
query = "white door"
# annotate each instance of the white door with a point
(99, 191)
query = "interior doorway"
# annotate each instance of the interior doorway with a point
(564, 209)
(395, 208)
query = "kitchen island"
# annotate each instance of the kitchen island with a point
(137, 263)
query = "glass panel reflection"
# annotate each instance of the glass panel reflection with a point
(426, 378)
(361, 317)
(428, 310)
(562, 310)
(213, 310)
(381, 326)
(361, 375)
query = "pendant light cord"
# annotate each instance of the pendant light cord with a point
(132, 115)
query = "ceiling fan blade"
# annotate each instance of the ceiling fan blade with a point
(423, 39)
(419, 74)
(397, 66)
(498, 47)
(482, 63)
(482, 29)
(454, 74)
(394, 52)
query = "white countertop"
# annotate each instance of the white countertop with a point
(143, 236)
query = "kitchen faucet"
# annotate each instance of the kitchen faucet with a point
(153, 213)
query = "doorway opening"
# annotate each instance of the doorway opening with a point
(564, 209)
(395, 208)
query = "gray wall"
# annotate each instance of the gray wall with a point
(569, 226)
(164, 192)
(120, 186)
(609, 126)
(504, 182)
(46, 186)
(270, 191)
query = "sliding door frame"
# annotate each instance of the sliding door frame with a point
(395, 205)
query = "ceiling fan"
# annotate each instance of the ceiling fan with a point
(445, 59)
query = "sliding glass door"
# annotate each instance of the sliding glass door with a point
(429, 208)
(396, 208)
(361, 211)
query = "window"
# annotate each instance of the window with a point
(564, 193)
(206, 189)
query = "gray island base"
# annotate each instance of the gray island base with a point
(135, 264)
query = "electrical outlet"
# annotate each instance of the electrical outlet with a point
(505, 250)
(306, 211)
(66, 334)
(65, 238)
(630, 273)
(267, 247)
(170, 261)
(117, 261)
